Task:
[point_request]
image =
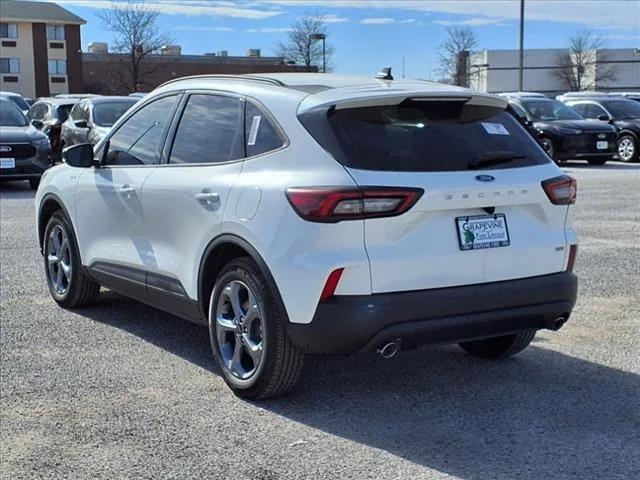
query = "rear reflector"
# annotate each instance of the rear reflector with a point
(331, 285)
(573, 251)
(561, 190)
(331, 205)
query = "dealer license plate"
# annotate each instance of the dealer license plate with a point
(602, 145)
(482, 231)
(7, 163)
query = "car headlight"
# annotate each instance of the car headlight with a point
(41, 142)
(569, 131)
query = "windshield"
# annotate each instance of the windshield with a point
(543, 109)
(623, 108)
(11, 116)
(106, 114)
(432, 136)
(19, 101)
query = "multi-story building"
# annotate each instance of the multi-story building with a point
(40, 53)
(497, 70)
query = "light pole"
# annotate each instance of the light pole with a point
(323, 37)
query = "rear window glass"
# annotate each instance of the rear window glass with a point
(63, 112)
(431, 136)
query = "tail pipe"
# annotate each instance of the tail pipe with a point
(390, 349)
(557, 324)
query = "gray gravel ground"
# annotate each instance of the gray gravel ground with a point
(121, 390)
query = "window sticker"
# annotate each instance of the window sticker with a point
(253, 131)
(495, 128)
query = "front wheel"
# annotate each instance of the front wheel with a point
(499, 347)
(628, 150)
(547, 144)
(248, 336)
(70, 287)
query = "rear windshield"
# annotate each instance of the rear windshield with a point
(424, 136)
(106, 114)
(19, 101)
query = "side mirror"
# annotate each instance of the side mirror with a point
(80, 156)
(81, 124)
(604, 118)
(37, 124)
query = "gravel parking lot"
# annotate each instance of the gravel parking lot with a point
(122, 390)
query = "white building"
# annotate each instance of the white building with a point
(497, 70)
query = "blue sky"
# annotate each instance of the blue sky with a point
(369, 34)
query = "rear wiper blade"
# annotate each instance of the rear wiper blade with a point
(489, 159)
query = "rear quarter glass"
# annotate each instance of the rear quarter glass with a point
(421, 136)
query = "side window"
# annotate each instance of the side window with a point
(581, 108)
(37, 112)
(519, 111)
(594, 111)
(261, 135)
(210, 131)
(139, 140)
(75, 112)
(85, 112)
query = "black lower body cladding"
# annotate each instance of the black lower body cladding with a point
(360, 323)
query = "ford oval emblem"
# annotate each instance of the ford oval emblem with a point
(485, 178)
(5, 148)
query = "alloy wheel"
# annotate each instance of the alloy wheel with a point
(547, 145)
(626, 149)
(59, 259)
(239, 330)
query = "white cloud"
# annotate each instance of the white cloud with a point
(176, 7)
(333, 18)
(269, 30)
(377, 21)
(408, 20)
(203, 29)
(593, 13)
(471, 22)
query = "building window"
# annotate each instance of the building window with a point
(57, 67)
(55, 32)
(9, 30)
(9, 65)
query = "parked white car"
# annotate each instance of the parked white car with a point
(296, 213)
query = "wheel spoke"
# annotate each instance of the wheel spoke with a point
(233, 294)
(56, 240)
(66, 269)
(52, 259)
(254, 350)
(59, 275)
(235, 365)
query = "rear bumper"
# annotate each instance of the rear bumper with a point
(360, 323)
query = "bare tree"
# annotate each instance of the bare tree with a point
(454, 54)
(581, 67)
(137, 35)
(302, 48)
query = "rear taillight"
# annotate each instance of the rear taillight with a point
(334, 204)
(573, 251)
(561, 190)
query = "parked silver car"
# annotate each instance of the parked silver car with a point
(91, 118)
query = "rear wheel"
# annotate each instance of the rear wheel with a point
(70, 287)
(499, 347)
(247, 331)
(628, 149)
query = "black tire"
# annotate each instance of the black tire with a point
(499, 347)
(597, 161)
(634, 145)
(34, 183)
(80, 290)
(281, 362)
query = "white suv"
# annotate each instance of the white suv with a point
(296, 213)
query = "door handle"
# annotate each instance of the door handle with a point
(127, 191)
(207, 199)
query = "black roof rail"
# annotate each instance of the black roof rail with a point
(249, 77)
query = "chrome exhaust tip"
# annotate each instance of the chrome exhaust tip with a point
(390, 349)
(558, 323)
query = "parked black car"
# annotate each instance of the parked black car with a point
(623, 113)
(92, 118)
(48, 115)
(561, 131)
(24, 151)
